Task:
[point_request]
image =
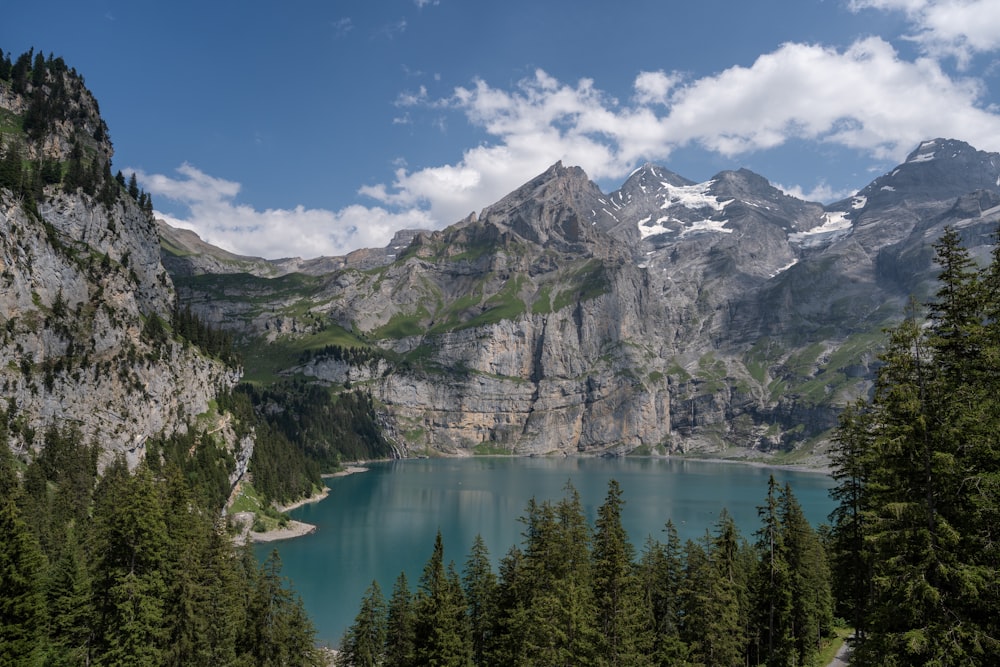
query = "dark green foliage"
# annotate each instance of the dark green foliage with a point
(480, 586)
(70, 601)
(442, 631)
(22, 601)
(204, 465)
(624, 621)
(137, 570)
(280, 633)
(558, 600)
(214, 342)
(400, 638)
(918, 481)
(661, 570)
(364, 642)
(301, 429)
(329, 427)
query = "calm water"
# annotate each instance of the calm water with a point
(375, 524)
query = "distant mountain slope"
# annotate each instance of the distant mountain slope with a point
(669, 315)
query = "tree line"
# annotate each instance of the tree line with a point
(133, 568)
(575, 595)
(55, 93)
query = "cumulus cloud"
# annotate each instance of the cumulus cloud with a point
(958, 28)
(273, 233)
(822, 192)
(864, 97)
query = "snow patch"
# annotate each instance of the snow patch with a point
(695, 196)
(692, 197)
(835, 225)
(784, 268)
(922, 157)
(888, 188)
(859, 202)
(686, 227)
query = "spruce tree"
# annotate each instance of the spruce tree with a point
(70, 603)
(400, 626)
(771, 587)
(364, 642)
(661, 570)
(22, 600)
(623, 621)
(851, 565)
(442, 631)
(812, 602)
(480, 586)
(931, 485)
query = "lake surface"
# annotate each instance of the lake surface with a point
(374, 525)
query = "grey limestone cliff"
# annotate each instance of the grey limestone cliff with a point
(84, 298)
(724, 317)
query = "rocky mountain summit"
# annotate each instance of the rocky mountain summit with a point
(667, 316)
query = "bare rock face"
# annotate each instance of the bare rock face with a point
(667, 316)
(85, 301)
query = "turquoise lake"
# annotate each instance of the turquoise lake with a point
(375, 524)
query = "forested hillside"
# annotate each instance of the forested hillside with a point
(115, 464)
(133, 568)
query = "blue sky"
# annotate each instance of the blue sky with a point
(308, 128)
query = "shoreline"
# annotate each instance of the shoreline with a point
(826, 469)
(299, 528)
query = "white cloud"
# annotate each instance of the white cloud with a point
(342, 26)
(865, 98)
(273, 233)
(654, 87)
(957, 28)
(821, 192)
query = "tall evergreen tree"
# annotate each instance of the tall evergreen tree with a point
(772, 591)
(130, 544)
(480, 586)
(930, 487)
(661, 569)
(812, 602)
(22, 600)
(400, 626)
(850, 555)
(71, 609)
(364, 642)
(442, 631)
(623, 621)
(280, 632)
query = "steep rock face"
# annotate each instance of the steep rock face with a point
(85, 298)
(666, 316)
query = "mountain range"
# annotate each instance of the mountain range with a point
(723, 318)
(668, 316)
